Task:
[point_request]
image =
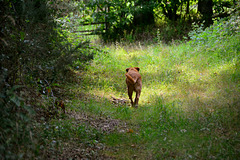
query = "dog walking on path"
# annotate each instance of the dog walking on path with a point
(134, 83)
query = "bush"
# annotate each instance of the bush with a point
(32, 51)
(219, 42)
(220, 30)
(16, 134)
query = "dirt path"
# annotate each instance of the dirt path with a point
(103, 124)
(89, 150)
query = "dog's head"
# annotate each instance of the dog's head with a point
(133, 68)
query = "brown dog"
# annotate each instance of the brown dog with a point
(134, 83)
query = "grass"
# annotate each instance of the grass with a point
(188, 108)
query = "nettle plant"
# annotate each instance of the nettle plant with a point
(218, 31)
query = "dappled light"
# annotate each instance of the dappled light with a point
(64, 92)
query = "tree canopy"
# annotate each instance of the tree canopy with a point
(126, 15)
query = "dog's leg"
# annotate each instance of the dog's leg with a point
(138, 92)
(130, 92)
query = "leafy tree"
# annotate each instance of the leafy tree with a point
(169, 8)
(125, 16)
(117, 15)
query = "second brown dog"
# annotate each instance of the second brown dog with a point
(134, 83)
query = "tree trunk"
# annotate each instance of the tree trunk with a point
(143, 18)
(205, 8)
(145, 15)
(170, 10)
(187, 11)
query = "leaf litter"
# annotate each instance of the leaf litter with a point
(74, 149)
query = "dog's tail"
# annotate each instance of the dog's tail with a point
(130, 78)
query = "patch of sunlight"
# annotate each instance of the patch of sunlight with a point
(165, 91)
(229, 68)
(108, 93)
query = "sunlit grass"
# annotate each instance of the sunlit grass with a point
(173, 72)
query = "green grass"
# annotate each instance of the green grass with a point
(189, 105)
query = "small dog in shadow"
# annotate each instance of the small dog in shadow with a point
(134, 83)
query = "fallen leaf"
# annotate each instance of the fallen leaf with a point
(130, 131)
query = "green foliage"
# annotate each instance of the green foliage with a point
(35, 55)
(15, 125)
(170, 8)
(220, 30)
(131, 19)
(170, 31)
(220, 42)
(117, 15)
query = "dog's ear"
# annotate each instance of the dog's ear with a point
(127, 69)
(137, 68)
